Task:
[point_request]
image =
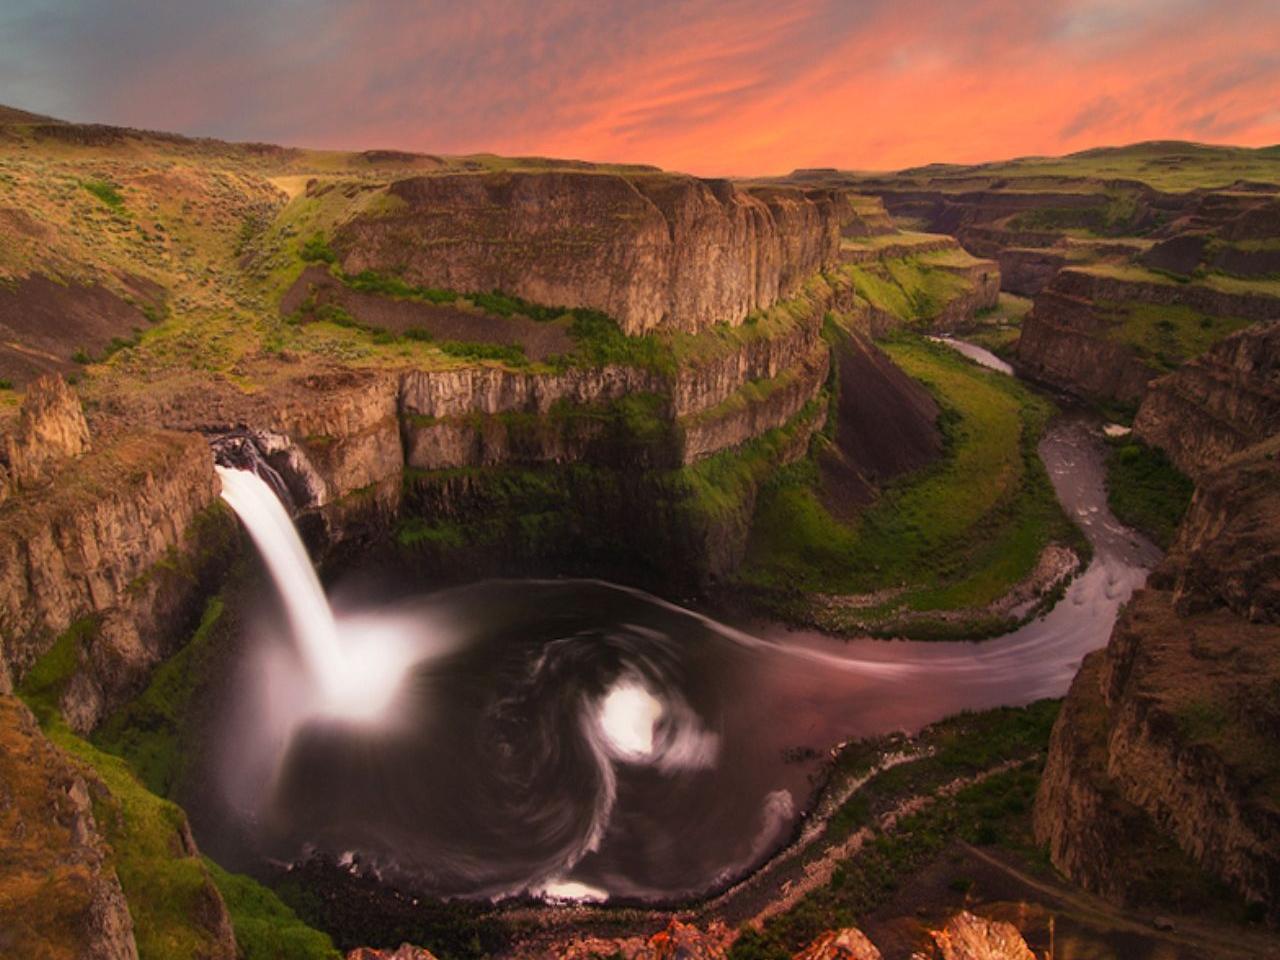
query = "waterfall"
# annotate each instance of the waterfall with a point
(310, 618)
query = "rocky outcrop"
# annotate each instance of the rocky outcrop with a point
(50, 428)
(969, 937)
(1164, 750)
(59, 892)
(950, 211)
(1087, 286)
(1217, 404)
(654, 251)
(983, 279)
(759, 406)
(677, 941)
(847, 944)
(406, 951)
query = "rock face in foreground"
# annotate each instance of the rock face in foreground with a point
(963, 937)
(1217, 404)
(1165, 749)
(59, 893)
(969, 937)
(651, 250)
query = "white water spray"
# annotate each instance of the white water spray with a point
(355, 676)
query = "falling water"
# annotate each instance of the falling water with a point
(310, 619)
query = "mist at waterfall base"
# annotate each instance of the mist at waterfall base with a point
(578, 739)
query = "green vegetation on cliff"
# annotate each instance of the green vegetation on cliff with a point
(148, 733)
(958, 534)
(597, 337)
(266, 927)
(629, 507)
(1146, 491)
(912, 289)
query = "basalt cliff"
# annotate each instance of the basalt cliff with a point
(1163, 768)
(651, 250)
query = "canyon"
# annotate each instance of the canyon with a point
(473, 367)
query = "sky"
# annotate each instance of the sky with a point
(735, 87)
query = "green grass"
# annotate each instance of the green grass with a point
(721, 486)
(316, 250)
(1146, 491)
(265, 927)
(45, 682)
(599, 341)
(958, 534)
(511, 354)
(912, 289)
(1166, 165)
(106, 191)
(1167, 336)
(998, 328)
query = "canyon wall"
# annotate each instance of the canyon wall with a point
(1217, 404)
(1163, 763)
(116, 546)
(654, 251)
(59, 892)
(1084, 331)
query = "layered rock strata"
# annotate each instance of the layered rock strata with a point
(1217, 404)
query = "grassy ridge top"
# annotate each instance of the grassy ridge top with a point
(1168, 165)
(21, 130)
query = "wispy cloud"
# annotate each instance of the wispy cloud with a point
(712, 86)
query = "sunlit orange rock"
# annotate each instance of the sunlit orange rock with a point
(847, 944)
(968, 937)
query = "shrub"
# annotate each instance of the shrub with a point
(512, 353)
(106, 191)
(316, 250)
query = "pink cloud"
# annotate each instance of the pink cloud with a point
(743, 86)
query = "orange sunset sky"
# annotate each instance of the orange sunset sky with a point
(744, 87)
